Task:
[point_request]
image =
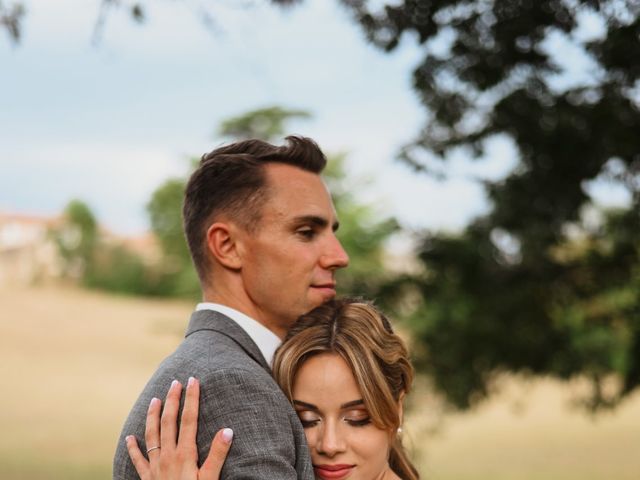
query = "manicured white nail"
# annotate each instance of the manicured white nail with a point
(191, 381)
(153, 402)
(227, 435)
(174, 383)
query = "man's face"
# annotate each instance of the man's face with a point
(288, 262)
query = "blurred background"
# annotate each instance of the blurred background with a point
(484, 162)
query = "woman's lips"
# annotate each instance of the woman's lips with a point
(333, 472)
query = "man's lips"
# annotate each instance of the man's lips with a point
(333, 472)
(330, 285)
(327, 289)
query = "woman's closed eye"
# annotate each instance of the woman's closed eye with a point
(308, 418)
(357, 418)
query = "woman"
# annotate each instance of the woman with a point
(346, 374)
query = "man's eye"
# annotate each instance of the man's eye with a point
(307, 233)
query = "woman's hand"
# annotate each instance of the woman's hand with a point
(169, 460)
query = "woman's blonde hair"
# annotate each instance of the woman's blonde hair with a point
(378, 358)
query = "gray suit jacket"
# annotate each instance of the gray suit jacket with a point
(236, 391)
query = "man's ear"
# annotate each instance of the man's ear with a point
(222, 245)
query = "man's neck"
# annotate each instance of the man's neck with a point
(242, 305)
(264, 338)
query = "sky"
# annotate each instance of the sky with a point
(109, 122)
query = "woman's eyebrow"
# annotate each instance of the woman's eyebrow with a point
(311, 406)
(308, 406)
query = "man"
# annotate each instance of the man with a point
(260, 225)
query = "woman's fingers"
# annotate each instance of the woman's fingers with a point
(139, 461)
(168, 423)
(152, 428)
(220, 446)
(161, 431)
(189, 420)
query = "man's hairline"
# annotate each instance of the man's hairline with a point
(265, 191)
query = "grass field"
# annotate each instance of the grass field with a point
(72, 362)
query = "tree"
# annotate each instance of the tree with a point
(94, 260)
(76, 238)
(534, 285)
(264, 123)
(165, 214)
(11, 19)
(12, 16)
(364, 233)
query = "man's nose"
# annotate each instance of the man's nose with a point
(334, 256)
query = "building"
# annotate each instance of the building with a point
(27, 251)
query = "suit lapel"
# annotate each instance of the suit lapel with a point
(217, 322)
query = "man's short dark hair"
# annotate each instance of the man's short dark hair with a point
(231, 181)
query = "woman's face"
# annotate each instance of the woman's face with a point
(344, 443)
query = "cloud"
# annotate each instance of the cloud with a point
(116, 181)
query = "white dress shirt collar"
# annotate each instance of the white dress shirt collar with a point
(265, 339)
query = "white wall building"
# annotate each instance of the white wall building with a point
(27, 253)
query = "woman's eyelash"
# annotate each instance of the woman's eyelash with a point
(358, 423)
(352, 422)
(309, 423)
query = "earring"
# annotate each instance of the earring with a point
(399, 430)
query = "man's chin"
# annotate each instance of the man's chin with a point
(322, 295)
